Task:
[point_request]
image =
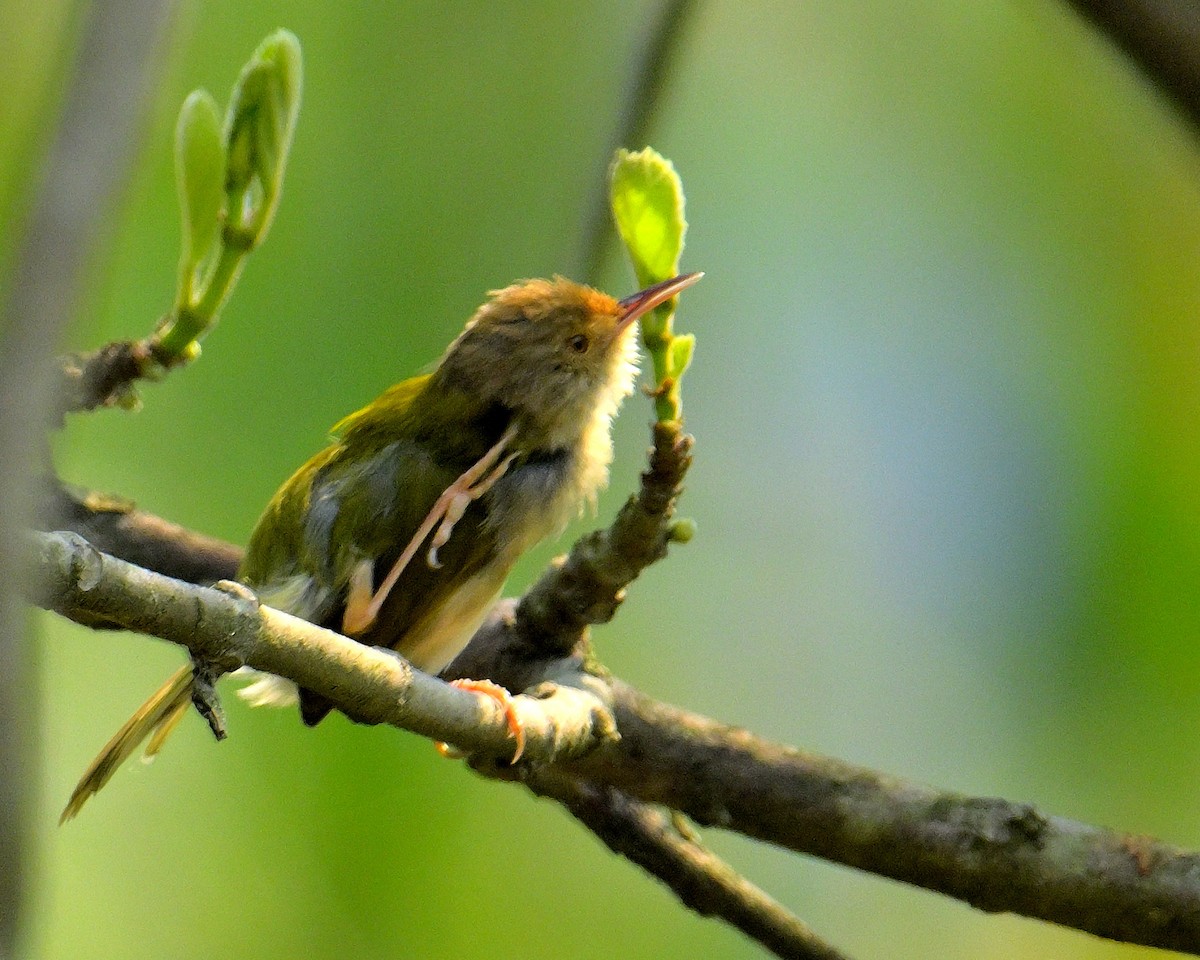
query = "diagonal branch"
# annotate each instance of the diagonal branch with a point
(116, 526)
(224, 625)
(702, 881)
(996, 855)
(587, 587)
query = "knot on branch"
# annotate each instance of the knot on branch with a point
(103, 377)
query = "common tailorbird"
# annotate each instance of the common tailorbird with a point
(401, 533)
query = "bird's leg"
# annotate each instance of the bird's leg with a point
(502, 697)
(458, 506)
(363, 606)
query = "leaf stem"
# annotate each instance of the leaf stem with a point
(174, 342)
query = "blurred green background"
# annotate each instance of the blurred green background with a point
(947, 402)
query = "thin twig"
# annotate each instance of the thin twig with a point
(589, 585)
(702, 881)
(116, 526)
(103, 377)
(639, 105)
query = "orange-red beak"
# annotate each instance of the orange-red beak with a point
(646, 300)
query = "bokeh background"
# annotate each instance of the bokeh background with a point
(947, 485)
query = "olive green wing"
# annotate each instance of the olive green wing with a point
(363, 499)
(278, 565)
(347, 505)
(367, 507)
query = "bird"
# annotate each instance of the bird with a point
(400, 534)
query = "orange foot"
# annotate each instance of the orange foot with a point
(502, 697)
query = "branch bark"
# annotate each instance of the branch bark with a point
(563, 717)
(115, 525)
(996, 855)
(993, 854)
(702, 881)
(226, 626)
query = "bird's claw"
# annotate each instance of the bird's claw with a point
(489, 689)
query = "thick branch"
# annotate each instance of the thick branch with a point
(993, 854)
(226, 626)
(229, 628)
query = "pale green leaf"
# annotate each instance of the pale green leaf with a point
(647, 202)
(679, 355)
(260, 124)
(200, 176)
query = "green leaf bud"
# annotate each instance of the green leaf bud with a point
(259, 128)
(647, 203)
(200, 176)
(679, 355)
(682, 530)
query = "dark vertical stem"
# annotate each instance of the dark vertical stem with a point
(651, 68)
(116, 64)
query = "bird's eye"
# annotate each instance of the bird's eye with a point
(578, 343)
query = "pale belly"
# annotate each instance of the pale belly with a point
(435, 641)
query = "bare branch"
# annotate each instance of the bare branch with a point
(590, 584)
(228, 628)
(116, 526)
(996, 855)
(103, 377)
(703, 882)
(564, 719)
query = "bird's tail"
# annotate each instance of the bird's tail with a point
(155, 718)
